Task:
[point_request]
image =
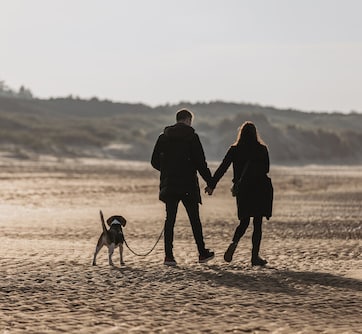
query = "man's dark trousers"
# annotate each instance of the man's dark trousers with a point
(192, 208)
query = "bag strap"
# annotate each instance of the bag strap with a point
(244, 171)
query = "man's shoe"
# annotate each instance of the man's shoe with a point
(207, 256)
(170, 261)
(228, 256)
(258, 262)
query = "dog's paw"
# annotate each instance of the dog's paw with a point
(94, 264)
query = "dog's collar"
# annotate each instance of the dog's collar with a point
(115, 222)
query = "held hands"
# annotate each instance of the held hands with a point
(209, 191)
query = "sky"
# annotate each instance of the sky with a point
(300, 54)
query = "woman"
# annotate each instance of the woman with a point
(250, 159)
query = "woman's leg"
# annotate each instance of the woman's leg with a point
(239, 232)
(241, 229)
(256, 239)
(244, 220)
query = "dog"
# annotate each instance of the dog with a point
(111, 238)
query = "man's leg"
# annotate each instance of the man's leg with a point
(192, 209)
(171, 211)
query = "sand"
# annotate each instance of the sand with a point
(49, 226)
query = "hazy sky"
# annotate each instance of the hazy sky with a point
(303, 54)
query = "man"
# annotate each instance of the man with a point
(178, 155)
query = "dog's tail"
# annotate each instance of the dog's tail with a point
(103, 223)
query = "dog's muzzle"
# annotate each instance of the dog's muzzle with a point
(116, 222)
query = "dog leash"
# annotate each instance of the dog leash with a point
(149, 252)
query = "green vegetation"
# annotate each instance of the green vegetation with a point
(23, 93)
(74, 127)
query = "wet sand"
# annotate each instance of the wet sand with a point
(50, 224)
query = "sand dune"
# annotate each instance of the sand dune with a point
(50, 224)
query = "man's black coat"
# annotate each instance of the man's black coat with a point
(178, 155)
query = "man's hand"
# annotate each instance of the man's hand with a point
(209, 191)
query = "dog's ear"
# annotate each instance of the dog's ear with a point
(123, 221)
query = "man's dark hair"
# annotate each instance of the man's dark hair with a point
(183, 114)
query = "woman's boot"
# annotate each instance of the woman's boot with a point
(228, 256)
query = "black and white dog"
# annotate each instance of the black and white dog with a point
(111, 238)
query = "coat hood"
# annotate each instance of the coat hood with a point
(179, 131)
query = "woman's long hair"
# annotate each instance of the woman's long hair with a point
(248, 135)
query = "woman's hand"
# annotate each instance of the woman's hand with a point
(209, 191)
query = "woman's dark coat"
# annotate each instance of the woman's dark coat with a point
(178, 155)
(256, 198)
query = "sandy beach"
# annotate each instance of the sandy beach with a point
(49, 226)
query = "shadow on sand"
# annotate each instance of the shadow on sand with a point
(261, 280)
(273, 280)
